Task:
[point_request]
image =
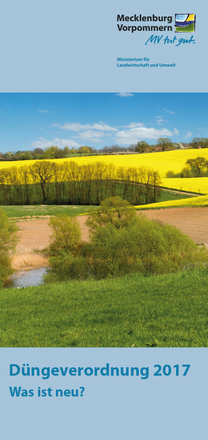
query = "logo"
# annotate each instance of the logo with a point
(185, 22)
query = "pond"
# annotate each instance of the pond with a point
(26, 278)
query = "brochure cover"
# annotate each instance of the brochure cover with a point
(103, 220)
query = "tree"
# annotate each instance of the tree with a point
(26, 179)
(9, 155)
(85, 150)
(42, 173)
(141, 146)
(164, 143)
(66, 235)
(65, 262)
(62, 154)
(114, 211)
(8, 241)
(50, 152)
(199, 142)
(25, 156)
(198, 166)
(38, 151)
(13, 181)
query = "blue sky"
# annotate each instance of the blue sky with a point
(31, 120)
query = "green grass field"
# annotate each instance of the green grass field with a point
(39, 210)
(171, 195)
(133, 311)
(70, 210)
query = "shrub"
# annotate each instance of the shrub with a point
(65, 263)
(179, 251)
(121, 243)
(66, 235)
(146, 247)
(109, 253)
(185, 172)
(170, 174)
(113, 211)
(64, 267)
(8, 241)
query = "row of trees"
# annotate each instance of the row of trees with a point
(163, 144)
(199, 142)
(70, 183)
(54, 152)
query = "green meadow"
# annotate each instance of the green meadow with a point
(173, 195)
(20, 211)
(132, 311)
(43, 210)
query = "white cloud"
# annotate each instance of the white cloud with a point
(97, 132)
(134, 125)
(43, 111)
(175, 131)
(124, 94)
(93, 136)
(76, 126)
(61, 143)
(103, 127)
(168, 111)
(72, 126)
(160, 120)
(134, 135)
(188, 134)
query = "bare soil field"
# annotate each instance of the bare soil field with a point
(35, 234)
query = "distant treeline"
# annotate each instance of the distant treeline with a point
(69, 183)
(62, 153)
(54, 152)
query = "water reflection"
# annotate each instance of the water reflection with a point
(26, 278)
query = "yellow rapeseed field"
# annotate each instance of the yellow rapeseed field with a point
(193, 201)
(161, 162)
(194, 184)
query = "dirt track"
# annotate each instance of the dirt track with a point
(35, 234)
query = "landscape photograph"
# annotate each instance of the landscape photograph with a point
(103, 219)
